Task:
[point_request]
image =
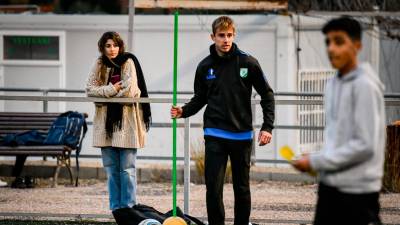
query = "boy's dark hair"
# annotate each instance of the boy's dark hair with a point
(351, 26)
(110, 35)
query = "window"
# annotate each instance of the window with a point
(313, 81)
(31, 47)
(28, 47)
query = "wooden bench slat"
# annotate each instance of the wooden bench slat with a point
(32, 147)
(32, 153)
(14, 131)
(39, 150)
(25, 114)
(12, 123)
(38, 119)
(17, 122)
(24, 127)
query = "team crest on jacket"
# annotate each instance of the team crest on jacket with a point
(243, 72)
(210, 74)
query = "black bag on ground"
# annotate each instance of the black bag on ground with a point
(139, 212)
(136, 214)
(190, 220)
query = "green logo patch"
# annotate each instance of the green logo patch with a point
(243, 72)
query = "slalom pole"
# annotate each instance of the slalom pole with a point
(174, 102)
(174, 220)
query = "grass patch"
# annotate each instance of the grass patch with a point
(198, 154)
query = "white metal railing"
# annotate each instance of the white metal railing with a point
(187, 124)
(46, 99)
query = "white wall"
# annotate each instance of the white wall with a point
(271, 39)
(265, 37)
(382, 52)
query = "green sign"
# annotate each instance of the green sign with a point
(25, 47)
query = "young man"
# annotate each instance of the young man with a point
(350, 164)
(224, 82)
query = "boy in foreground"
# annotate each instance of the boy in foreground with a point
(350, 165)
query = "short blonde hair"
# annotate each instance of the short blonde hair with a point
(223, 22)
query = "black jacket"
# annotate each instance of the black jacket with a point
(225, 85)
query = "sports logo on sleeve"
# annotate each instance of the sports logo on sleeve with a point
(210, 74)
(243, 72)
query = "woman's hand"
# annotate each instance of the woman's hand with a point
(118, 86)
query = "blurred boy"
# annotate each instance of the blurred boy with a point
(350, 165)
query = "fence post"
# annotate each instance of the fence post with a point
(253, 157)
(186, 144)
(45, 102)
(45, 109)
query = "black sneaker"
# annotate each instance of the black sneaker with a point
(18, 183)
(29, 182)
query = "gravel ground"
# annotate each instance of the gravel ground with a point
(52, 222)
(270, 200)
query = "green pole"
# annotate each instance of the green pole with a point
(174, 103)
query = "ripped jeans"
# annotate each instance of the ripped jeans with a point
(119, 164)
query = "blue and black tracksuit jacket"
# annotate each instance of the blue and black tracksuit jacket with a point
(225, 85)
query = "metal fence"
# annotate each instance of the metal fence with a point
(305, 100)
(391, 100)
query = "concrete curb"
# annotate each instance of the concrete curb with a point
(149, 172)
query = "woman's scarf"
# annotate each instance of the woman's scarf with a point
(115, 64)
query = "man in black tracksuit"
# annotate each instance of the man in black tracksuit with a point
(224, 82)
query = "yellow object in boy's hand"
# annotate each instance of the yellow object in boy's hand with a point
(287, 153)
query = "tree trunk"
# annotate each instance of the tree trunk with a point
(391, 180)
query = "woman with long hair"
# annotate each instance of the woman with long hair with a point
(119, 129)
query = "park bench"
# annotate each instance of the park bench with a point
(16, 122)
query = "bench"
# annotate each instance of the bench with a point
(16, 122)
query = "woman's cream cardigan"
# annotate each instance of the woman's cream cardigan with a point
(133, 132)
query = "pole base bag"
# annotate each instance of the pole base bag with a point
(139, 212)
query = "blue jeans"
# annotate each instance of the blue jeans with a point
(119, 164)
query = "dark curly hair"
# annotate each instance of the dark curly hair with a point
(115, 37)
(349, 25)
